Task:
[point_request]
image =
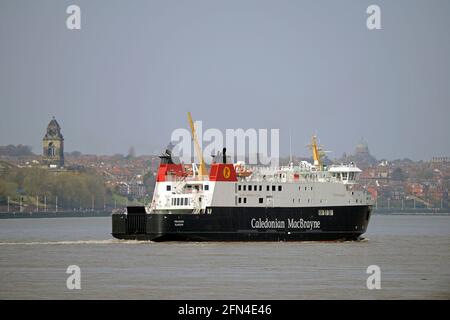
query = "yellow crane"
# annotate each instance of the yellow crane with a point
(202, 168)
(317, 152)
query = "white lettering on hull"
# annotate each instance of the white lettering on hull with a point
(292, 224)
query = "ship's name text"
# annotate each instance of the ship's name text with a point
(281, 224)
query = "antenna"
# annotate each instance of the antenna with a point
(290, 148)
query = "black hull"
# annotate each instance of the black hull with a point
(244, 224)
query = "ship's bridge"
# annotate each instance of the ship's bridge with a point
(345, 173)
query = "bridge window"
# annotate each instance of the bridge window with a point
(168, 188)
(206, 187)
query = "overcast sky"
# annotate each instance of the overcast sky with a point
(129, 76)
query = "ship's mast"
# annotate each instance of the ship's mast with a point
(290, 149)
(202, 168)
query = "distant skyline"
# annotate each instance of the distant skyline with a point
(132, 72)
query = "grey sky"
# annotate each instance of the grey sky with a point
(131, 73)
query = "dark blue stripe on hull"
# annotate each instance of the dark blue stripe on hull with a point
(245, 224)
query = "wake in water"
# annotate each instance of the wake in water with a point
(76, 242)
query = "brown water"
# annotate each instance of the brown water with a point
(413, 253)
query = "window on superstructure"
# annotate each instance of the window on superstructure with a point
(168, 188)
(261, 200)
(245, 187)
(280, 188)
(268, 188)
(239, 187)
(273, 188)
(206, 187)
(260, 188)
(249, 188)
(245, 200)
(178, 201)
(239, 200)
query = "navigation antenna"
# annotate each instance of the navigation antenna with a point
(290, 148)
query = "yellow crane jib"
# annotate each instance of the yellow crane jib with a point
(317, 152)
(202, 168)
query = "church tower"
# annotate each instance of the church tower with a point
(53, 145)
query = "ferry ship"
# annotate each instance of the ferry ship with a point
(235, 202)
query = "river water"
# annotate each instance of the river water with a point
(413, 253)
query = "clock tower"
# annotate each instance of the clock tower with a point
(53, 145)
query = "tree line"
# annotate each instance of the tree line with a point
(72, 189)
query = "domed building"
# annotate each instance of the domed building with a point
(53, 145)
(361, 156)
